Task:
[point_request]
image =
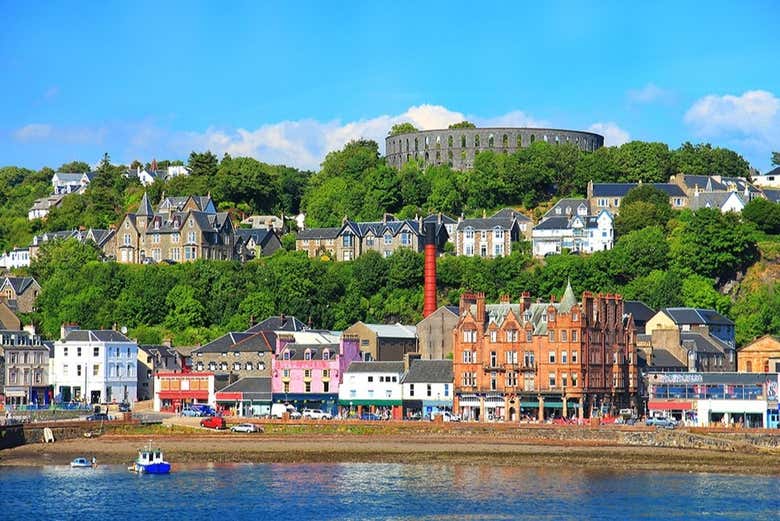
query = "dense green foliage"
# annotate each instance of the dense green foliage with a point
(401, 128)
(463, 124)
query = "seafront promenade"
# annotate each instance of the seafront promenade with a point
(605, 447)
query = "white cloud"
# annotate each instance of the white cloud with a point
(648, 94)
(302, 143)
(753, 112)
(749, 123)
(613, 134)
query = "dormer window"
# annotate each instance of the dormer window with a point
(286, 355)
(469, 232)
(156, 224)
(326, 355)
(307, 355)
(557, 211)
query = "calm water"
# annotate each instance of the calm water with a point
(378, 491)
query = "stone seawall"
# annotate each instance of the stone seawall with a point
(16, 435)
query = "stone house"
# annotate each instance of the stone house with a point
(607, 196)
(705, 321)
(434, 333)
(236, 355)
(26, 371)
(19, 293)
(151, 360)
(762, 355)
(183, 229)
(490, 237)
(384, 342)
(41, 207)
(103, 239)
(256, 242)
(317, 242)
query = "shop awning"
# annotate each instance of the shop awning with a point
(370, 402)
(670, 406)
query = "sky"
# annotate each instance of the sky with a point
(287, 82)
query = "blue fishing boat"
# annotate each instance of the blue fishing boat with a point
(150, 461)
(81, 463)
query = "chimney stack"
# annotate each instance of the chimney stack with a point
(429, 284)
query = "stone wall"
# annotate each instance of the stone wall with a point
(457, 147)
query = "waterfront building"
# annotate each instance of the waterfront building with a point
(760, 356)
(372, 388)
(535, 360)
(716, 399)
(384, 342)
(236, 355)
(174, 391)
(153, 359)
(434, 333)
(704, 321)
(24, 362)
(247, 397)
(308, 368)
(95, 366)
(427, 387)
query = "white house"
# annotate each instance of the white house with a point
(427, 387)
(16, 258)
(723, 201)
(41, 207)
(372, 387)
(578, 233)
(96, 366)
(69, 182)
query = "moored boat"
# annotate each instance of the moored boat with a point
(150, 461)
(81, 463)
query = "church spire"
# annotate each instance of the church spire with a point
(145, 208)
(569, 300)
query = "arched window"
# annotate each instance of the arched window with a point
(519, 141)
(449, 156)
(438, 142)
(426, 156)
(476, 141)
(533, 138)
(416, 145)
(462, 145)
(505, 141)
(491, 141)
(463, 154)
(438, 156)
(449, 141)
(545, 138)
(407, 144)
(557, 140)
(749, 366)
(427, 142)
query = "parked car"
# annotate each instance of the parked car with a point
(214, 422)
(417, 416)
(370, 416)
(101, 416)
(124, 407)
(667, 422)
(245, 427)
(190, 412)
(316, 414)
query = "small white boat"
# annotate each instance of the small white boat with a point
(150, 461)
(81, 463)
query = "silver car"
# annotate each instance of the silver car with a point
(245, 427)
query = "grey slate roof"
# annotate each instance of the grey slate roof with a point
(429, 371)
(702, 343)
(509, 213)
(297, 351)
(487, 223)
(663, 358)
(20, 284)
(434, 217)
(253, 387)
(567, 206)
(621, 189)
(697, 316)
(161, 350)
(95, 335)
(376, 367)
(772, 194)
(259, 235)
(553, 223)
(712, 199)
(711, 183)
(639, 310)
(240, 342)
(278, 323)
(318, 233)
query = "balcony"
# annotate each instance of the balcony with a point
(498, 367)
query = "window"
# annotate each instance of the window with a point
(78, 370)
(429, 390)
(493, 359)
(127, 238)
(469, 379)
(95, 369)
(95, 351)
(307, 355)
(307, 373)
(574, 357)
(552, 336)
(511, 335)
(511, 379)
(564, 357)
(370, 378)
(469, 234)
(325, 386)
(285, 373)
(574, 317)
(498, 234)
(175, 237)
(286, 387)
(470, 336)
(65, 369)
(564, 336)
(467, 359)
(406, 239)
(493, 382)
(286, 355)
(326, 355)
(370, 240)
(388, 239)
(249, 366)
(156, 238)
(307, 387)
(190, 237)
(212, 366)
(574, 379)
(236, 366)
(551, 380)
(551, 357)
(493, 336)
(529, 336)
(223, 366)
(573, 335)
(347, 241)
(511, 357)
(78, 351)
(564, 379)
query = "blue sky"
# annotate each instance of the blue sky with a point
(288, 81)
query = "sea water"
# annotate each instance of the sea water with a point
(381, 491)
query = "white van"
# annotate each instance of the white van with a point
(278, 410)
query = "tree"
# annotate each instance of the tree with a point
(402, 128)
(246, 180)
(658, 289)
(78, 167)
(638, 253)
(644, 205)
(463, 124)
(702, 159)
(639, 161)
(203, 164)
(764, 214)
(699, 292)
(184, 310)
(712, 244)
(776, 158)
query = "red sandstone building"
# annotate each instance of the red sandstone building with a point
(537, 360)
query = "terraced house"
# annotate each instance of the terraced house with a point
(353, 238)
(491, 236)
(19, 293)
(543, 359)
(183, 229)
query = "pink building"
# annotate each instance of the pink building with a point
(308, 366)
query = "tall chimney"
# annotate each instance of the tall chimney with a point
(429, 293)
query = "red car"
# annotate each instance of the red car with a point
(214, 422)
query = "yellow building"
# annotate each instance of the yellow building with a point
(760, 356)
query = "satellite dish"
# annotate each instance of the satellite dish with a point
(124, 330)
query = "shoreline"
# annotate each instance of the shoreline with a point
(466, 449)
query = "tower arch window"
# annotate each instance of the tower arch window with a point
(505, 141)
(476, 140)
(533, 138)
(427, 142)
(462, 141)
(519, 140)
(438, 142)
(449, 141)
(491, 140)
(416, 145)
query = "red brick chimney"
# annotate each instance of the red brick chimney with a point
(429, 292)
